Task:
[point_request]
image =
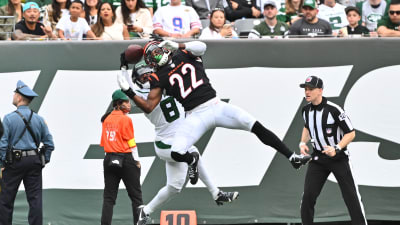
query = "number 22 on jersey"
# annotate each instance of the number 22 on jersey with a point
(194, 82)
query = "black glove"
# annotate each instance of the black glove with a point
(123, 61)
(156, 37)
(130, 93)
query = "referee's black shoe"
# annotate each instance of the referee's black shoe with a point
(193, 170)
(298, 160)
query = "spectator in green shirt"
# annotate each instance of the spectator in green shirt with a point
(270, 26)
(389, 25)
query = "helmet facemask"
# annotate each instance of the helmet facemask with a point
(156, 56)
(140, 75)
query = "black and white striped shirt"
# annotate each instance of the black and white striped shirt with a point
(327, 123)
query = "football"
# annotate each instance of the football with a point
(134, 53)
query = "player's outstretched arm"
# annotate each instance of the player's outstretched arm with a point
(197, 48)
(148, 105)
(152, 101)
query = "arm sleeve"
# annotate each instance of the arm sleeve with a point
(47, 140)
(85, 26)
(4, 142)
(329, 28)
(254, 33)
(303, 114)
(118, 15)
(295, 28)
(18, 27)
(154, 81)
(194, 19)
(197, 48)
(343, 120)
(254, 3)
(239, 13)
(1, 129)
(127, 131)
(60, 25)
(381, 22)
(147, 22)
(157, 20)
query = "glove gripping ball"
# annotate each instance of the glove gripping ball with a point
(133, 54)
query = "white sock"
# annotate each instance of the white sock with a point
(203, 175)
(163, 195)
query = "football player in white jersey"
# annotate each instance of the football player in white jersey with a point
(166, 118)
(334, 13)
(176, 20)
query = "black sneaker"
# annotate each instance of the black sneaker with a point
(298, 160)
(193, 171)
(143, 217)
(226, 197)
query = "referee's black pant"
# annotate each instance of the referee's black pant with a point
(28, 170)
(130, 175)
(316, 176)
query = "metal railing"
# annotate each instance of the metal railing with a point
(11, 24)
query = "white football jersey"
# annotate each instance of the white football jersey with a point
(371, 16)
(176, 19)
(336, 16)
(166, 117)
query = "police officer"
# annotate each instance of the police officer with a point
(330, 131)
(122, 160)
(24, 130)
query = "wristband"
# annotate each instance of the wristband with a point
(130, 93)
(301, 144)
(337, 149)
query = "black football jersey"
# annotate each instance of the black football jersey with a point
(185, 79)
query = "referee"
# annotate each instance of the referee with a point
(329, 130)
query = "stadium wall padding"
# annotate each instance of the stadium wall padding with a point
(75, 81)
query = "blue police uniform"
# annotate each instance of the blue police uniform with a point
(26, 165)
(1, 129)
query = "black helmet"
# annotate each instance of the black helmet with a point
(155, 55)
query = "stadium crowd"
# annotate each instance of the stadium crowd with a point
(206, 19)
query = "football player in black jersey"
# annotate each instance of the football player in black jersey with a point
(180, 72)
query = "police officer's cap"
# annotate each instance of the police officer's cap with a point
(119, 95)
(313, 82)
(24, 90)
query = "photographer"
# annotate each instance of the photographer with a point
(24, 130)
